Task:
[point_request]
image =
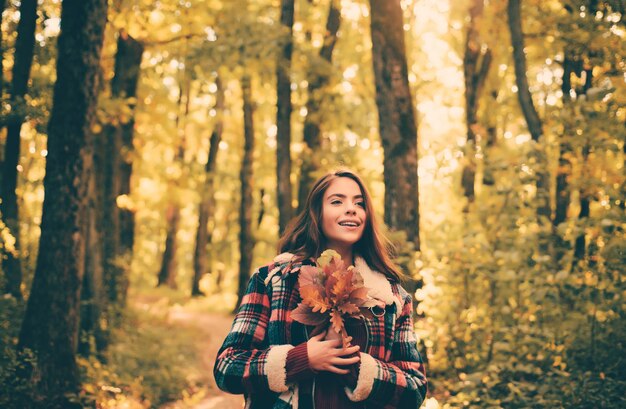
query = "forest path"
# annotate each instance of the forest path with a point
(211, 329)
(214, 327)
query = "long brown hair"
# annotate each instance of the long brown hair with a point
(303, 235)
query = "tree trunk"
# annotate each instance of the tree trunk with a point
(564, 170)
(396, 114)
(167, 274)
(24, 46)
(565, 149)
(283, 120)
(92, 294)
(119, 223)
(476, 65)
(110, 228)
(585, 202)
(580, 246)
(317, 83)
(528, 108)
(3, 5)
(124, 84)
(519, 59)
(207, 203)
(246, 240)
(50, 324)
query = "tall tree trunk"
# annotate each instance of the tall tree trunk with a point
(584, 194)
(565, 165)
(207, 201)
(167, 274)
(530, 113)
(246, 240)
(92, 294)
(564, 170)
(119, 223)
(124, 84)
(317, 83)
(476, 63)
(283, 120)
(571, 65)
(585, 201)
(24, 47)
(50, 324)
(3, 5)
(110, 229)
(396, 114)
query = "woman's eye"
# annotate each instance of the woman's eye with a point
(362, 204)
(336, 202)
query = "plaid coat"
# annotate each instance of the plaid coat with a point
(253, 357)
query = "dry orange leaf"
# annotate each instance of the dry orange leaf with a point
(331, 292)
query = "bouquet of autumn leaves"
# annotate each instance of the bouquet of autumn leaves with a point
(331, 292)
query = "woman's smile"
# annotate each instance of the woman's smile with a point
(343, 215)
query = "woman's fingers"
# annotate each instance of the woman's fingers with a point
(351, 350)
(338, 371)
(346, 361)
(333, 343)
(329, 355)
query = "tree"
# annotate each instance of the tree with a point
(93, 299)
(246, 239)
(117, 168)
(283, 120)
(167, 273)
(528, 108)
(169, 264)
(24, 45)
(207, 202)
(317, 82)
(3, 5)
(396, 115)
(476, 64)
(109, 230)
(50, 323)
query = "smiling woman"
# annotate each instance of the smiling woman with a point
(278, 362)
(343, 216)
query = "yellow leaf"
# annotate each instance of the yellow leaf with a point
(327, 257)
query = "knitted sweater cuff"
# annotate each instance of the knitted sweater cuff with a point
(297, 366)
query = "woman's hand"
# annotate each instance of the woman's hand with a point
(327, 355)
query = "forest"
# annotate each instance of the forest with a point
(152, 153)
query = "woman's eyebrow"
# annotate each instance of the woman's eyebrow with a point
(342, 196)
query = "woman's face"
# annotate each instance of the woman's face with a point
(343, 213)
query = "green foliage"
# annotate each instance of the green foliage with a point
(15, 391)
(149, 362)
(508, 329)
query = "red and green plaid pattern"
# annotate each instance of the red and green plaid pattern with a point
(263, 322)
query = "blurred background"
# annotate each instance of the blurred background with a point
(174, 139)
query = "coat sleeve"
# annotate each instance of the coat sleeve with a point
(246, 363)
(399, 383)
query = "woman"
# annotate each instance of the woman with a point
(276, 361)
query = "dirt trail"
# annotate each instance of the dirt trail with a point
(213, 328)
